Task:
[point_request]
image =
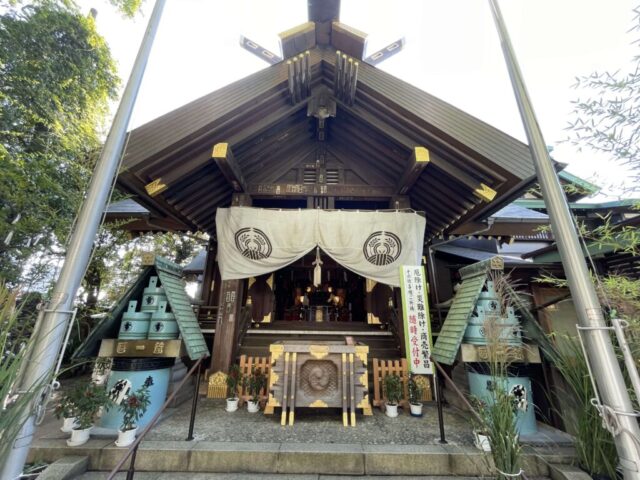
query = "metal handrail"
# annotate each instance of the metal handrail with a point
(133, 449)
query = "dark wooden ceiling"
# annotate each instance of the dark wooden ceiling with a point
(370, 143)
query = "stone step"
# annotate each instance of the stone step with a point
(243, 476)
(252, 459)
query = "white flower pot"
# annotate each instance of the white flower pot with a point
(232, 404)
(253, 407)
(79, 437)
(68, 424)
(391, 410)
(416, 409)
(99, 379)
(126, 437)
(482, 442)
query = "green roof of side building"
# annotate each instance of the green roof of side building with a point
(170, 276)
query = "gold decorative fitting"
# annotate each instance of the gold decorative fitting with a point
(362, 352)
(364, 380)
(155, 187)
(148, 259)
(318, 404)
(497, 263)
(319, 351)
(276, 352)
(273, 379)
(220, 150)
(422, 154)
(218, 379)
(485, 192)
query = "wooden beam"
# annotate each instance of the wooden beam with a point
(415, 166)
(296, 190)
(297, 39)
(348, 40)
(259, 51)
(387, 52)
(223, 156)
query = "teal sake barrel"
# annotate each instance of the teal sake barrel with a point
(517, 384)
(129, 374)
(163, 325)
(481, 331)
(152, 296)
(134, 325)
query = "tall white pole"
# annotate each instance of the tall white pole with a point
(51, 327)
(599, 348)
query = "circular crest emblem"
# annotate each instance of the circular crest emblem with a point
(253, 243)
(382, 248)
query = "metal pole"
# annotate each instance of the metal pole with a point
(599, 348)
(50, 332)
(194, 405)
(438, 391)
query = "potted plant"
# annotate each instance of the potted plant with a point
(255, 383)
(393, 394)
(415, 394)
(65, 409)
(133, 407)
(234, 380)
(101, 369)
(88, 401)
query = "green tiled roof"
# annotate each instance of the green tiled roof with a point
(448, 343)
(171, 278)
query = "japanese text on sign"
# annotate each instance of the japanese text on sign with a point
(417, 326)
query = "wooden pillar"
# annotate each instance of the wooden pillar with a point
(209, 273)
(229, 305)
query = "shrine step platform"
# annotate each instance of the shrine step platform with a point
(318, 444)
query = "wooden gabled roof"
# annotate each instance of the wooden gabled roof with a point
(370, 144)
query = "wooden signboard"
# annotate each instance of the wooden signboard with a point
(417, 326)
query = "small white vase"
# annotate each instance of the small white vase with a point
(232, 404)
(416, 409)
(67, 424)
(126, 437)
(391, 410)
(79, 437)
(253, 407)
(482, 442)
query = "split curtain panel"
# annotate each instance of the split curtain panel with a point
(254, 241)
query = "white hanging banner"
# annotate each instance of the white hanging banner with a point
(254, 241)
(417, 326)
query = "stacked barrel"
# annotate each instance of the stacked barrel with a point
(495, 331)
(151, 322)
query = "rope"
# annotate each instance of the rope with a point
(512, 475)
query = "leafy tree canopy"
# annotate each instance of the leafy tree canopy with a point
(56, 77)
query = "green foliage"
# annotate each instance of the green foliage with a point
(594, 444)
(13, 349)
(415, 390)
(608, 119)
(127, 7)
(255, 382)
(56, 78)
(392, 389)
(87, 400)
(234, 380)
(65, 408)
(135, 405)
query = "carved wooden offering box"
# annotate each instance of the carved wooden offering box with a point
(318, 375)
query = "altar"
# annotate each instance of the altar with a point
(318, 375)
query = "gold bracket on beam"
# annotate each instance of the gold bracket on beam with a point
(156, 187)
(485, 192)
(223, 156)
(416, 165)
